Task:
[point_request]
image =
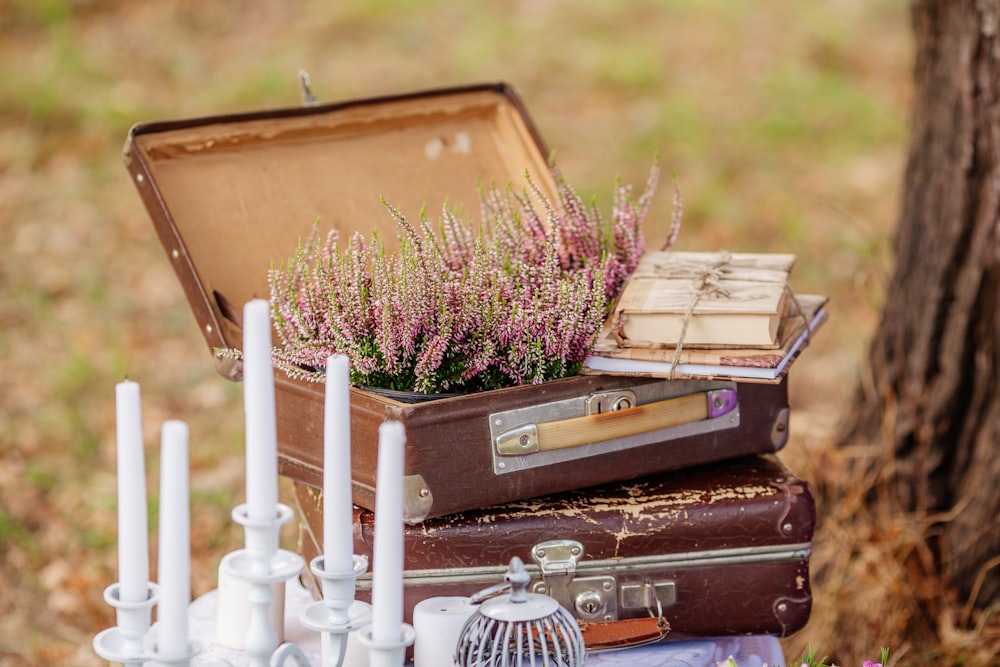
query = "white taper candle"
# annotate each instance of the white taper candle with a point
(387, 568)
(338, 531)
(258, 406)
(174, 542)
(133, 525)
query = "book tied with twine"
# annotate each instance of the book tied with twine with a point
(702, 299)
(806, 314)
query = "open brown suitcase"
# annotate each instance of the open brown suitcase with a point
(230, 196)
(718, 550)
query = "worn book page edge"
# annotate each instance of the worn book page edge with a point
(597, 364)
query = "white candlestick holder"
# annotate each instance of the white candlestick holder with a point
(337, 614)
(133, 641)
(261, 564)
(125, 642)
(387, 654)
(260, 539)
(159, 657)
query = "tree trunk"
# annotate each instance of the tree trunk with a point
(933, 398)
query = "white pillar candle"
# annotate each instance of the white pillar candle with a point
(387, 568)
(174, 542)
(258, 406)
(338, 517)
(232, 616)
(438, 623)
(133, 526)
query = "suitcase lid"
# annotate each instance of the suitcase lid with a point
(232, 195)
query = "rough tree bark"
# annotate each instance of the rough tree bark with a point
(935, 359)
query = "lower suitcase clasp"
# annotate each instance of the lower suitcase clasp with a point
(594, 598)
(589, 598)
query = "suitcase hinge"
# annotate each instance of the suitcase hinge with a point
(308, 99)
(588, 598)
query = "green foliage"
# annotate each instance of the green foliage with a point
(223, 499)
(11, 530)
(41, 477)
(95, 539)
(41, 13)
(809, 659)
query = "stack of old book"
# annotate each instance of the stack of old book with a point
(700, 314)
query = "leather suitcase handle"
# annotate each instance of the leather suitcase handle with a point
(548, 436)
(612, 635)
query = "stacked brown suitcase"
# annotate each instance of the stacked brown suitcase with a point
(696, 521)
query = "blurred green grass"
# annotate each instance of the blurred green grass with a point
(784, 121)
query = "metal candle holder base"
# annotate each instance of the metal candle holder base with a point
(337, 614)
(387, 654)
(261, 564)
(125, 643)
(133, 640)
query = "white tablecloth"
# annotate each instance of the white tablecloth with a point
(749, 651)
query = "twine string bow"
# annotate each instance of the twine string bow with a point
(707, 282)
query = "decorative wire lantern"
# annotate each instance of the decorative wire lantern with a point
(520, 629)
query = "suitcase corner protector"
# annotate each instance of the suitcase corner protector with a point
(417, 499)
(779, 430)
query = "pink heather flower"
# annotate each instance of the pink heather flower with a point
(518, 300)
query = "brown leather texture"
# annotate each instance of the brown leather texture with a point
(733, 539)
(623, 634)
(449, 444)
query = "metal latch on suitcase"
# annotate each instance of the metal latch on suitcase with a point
(593, 598)
(609, 421)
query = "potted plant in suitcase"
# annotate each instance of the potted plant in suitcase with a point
(461, 308)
